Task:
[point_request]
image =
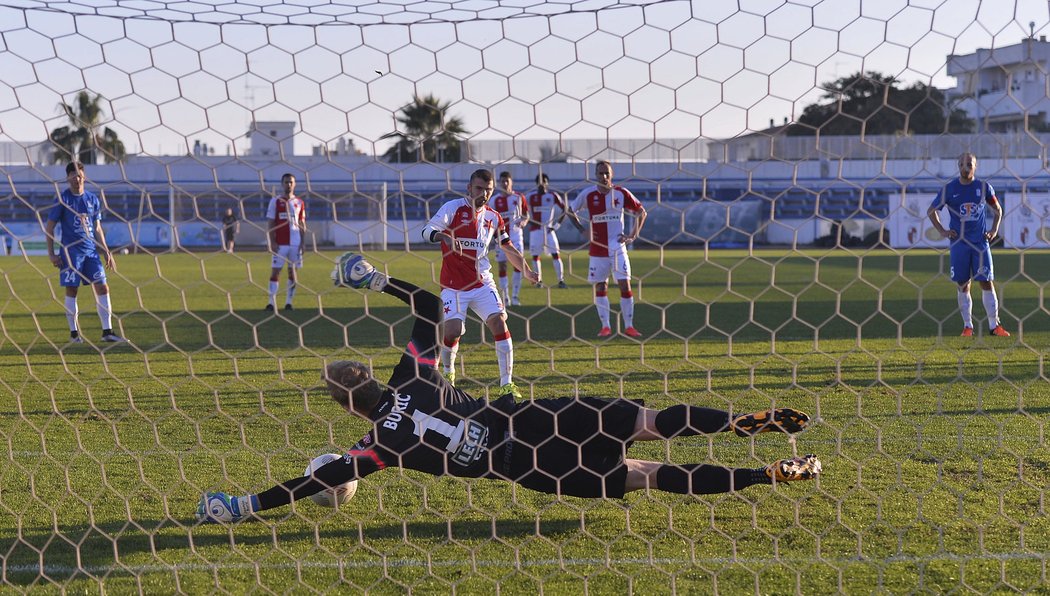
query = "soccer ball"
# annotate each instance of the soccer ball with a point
(337, 495)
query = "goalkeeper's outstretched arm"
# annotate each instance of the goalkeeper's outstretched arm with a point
(354, 271)
(222, 507)
(426, 306)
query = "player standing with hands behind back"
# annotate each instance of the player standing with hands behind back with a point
(605, 204)
(968, 199)
(79, 212)
(287, 233)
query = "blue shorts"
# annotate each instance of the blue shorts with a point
(971, 261)
(85, 269)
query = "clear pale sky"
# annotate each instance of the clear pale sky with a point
(176, 72)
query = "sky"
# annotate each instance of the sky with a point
(172, 73)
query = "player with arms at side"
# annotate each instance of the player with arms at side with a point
(79, 213)
(563, 446)
(968, 200)
(465, 228)
(543, 204)
(511, 207)
(286, 215)
(605, 204)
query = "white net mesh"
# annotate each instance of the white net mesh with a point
(782, 264)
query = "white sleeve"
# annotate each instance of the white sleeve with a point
(438, 223)
(271, 210)
(579, 201)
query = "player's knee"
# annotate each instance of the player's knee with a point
(275, 275)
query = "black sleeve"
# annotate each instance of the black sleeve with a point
(340, 471)
(422, 347)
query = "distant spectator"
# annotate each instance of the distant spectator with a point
(230, 226)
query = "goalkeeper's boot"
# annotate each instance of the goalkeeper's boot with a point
(354, 271)
(782, 420)
(222, 508)
(806, 467)
(967, 332)
(1000, 332)
(510, 388)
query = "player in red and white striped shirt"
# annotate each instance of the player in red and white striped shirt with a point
(546, 212)
(511, 207)
(287, 230)
(605, 204)
(465, 227)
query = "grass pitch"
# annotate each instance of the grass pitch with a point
(935, 454)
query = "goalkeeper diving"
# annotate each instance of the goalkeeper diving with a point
(564, 446)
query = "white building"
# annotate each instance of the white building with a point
(271, 138)
(1002, 88)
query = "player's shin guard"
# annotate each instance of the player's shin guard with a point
(72, 312)
(505, 358)
(291, 292)
(449, 350)
(991, 307)
(105, 312)
(627, 309)
(273, 291)
(966, 309)
(559, 270)
(516, 288)
(704, 479)
(685, 421)
(601, 303)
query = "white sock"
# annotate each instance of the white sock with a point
(105, 313)
(505, 358)
(991, 306)
(503, 283)
(291, 292)
(71, 312)
(517, 284)
(448, 356)
(966, 309)
(273, 292)
(558, 270)
(602, 304)
(627, 310)
(537, 267)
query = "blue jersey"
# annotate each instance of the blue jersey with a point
(77, 216)
(966, 208)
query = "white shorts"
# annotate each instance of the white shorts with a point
(501, 257)
(484, 301)
(287, 253)
(600, 267)
(543, 241)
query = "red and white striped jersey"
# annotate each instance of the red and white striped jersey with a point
(288, 219)
(511, 207)
(542, 209)
(605, 210)
(475, 230)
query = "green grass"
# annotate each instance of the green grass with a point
(935, 454)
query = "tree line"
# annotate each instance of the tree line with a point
(859, 104)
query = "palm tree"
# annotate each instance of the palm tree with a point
(85, 137)
(427, 134)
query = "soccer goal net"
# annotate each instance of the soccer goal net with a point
(785, 156)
